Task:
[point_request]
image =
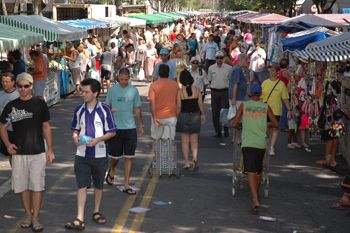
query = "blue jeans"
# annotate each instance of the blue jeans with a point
(284, 117)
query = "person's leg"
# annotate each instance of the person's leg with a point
(27, 202)
(185, 141)
(127, 171)
(36, 204)
(332, 161)
(215, 108)
(224, 103)
(253, 184)
(194, 146)
(97, 199)
(81, 201)
(284, 120)
(273, 140)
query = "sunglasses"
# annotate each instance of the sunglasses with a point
(196, 63)
(219, 57)
(24, 86)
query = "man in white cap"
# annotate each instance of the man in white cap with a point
(29, 117)
(218, 76)
(164, 55)
(199, 75)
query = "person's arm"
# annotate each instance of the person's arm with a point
(11, 148)
(138, 114)
(105, 137)
(234, 94)
(285, 98)
(151, 97)
(272, 118)
(48, 137)
(178, 100)
(237, 119)
(75, 137)
(73, 57)
(201, 105)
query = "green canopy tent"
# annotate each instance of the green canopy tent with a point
(170, 15)
(12, 38)
(52, 30)
(153, 18)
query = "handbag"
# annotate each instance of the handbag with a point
(272, 91)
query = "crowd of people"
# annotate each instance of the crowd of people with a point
(180, 63)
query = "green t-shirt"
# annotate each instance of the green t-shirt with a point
(124, 100)
(254, 124)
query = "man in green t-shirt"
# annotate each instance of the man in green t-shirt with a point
(253, 114)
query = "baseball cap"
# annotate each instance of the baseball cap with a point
(24, 76)
(219, 54)
(255, 89)
(164, 52)
(194, 59)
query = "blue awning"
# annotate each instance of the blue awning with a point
(300, 42)
(86, 23)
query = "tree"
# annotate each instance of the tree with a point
(16, 6)
(324, 6)
(3, 6)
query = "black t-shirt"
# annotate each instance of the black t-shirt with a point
(27, 119)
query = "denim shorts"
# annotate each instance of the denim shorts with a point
(39, 87)
(87, 168)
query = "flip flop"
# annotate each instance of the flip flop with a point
(109, 179)
(254, 210)
(129, 191)
(340, 205)
(37, 226)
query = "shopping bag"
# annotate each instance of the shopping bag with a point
(141, 75)
(224, 121)
(94, 74)
(231, 112)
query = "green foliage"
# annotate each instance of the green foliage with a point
(256, 5)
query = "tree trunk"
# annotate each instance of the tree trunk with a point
(3, 5)
(16, 7)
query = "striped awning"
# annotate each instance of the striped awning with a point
(52, 30)
(335, 48)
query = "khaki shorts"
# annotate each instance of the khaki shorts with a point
(166, 131)
(28, 172)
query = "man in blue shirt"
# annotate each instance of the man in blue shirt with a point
(94, 120)
(238, 82)
(210, 50)
(15, 58)
(164, 55)
(125, 101)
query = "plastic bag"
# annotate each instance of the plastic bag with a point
(94, 74)
(141, 75)
(224, 121)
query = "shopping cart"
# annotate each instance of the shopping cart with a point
(165, 156)
(237, 176)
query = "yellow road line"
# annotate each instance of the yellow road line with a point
(147, 197)
(124, 212)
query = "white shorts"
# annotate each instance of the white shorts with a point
(28, 172)
(166, 131)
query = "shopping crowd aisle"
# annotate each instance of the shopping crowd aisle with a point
(200, 201)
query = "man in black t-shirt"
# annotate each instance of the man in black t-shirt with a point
(29, 117)
(217, 38)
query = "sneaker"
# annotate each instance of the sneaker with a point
(272, 150)
(217, 135)
(296, 145)
(291, 146)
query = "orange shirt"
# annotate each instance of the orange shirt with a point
(40, 69)
(164, 93)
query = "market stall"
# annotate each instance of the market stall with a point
(56, 33)
(12, 39)
(119, 21)
(153, 19)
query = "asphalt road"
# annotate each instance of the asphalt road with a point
(201, 201)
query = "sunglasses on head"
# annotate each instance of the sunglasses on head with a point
(24, 86)
(219, 57)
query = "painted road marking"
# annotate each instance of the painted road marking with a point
(147, 197)
(124, 213)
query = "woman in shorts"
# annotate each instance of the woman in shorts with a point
(190, 116)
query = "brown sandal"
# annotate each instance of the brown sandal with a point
(27, 221)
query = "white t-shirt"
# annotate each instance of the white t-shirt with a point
(257, 60)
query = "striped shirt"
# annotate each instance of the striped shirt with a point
(95, 123)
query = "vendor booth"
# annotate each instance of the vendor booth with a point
(58, 82)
